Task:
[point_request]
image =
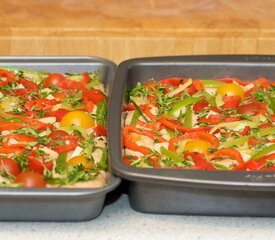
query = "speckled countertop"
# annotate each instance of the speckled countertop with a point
(118, 221)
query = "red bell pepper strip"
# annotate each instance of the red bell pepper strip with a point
(261, 163)
(22, 140)
(12, 150)
(232, 154)
(200, 163)
(129, 142)
(178, 126)
(147, 111)
(175, 81)
(86, 78)
(11, 125)
(194, 135)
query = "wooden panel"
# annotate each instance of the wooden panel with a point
(125, 29)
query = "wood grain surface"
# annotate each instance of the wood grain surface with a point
(122, 29)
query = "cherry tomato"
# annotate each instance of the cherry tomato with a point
(53, 79)
(30, 179)
(198, 146)
(10, 166)
(80, 160)
(37, 163)
(77, 118)
(57, 134)
(230, 89)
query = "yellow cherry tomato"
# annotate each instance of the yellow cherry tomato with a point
(231, 89)
(197, 145)
(77, 118)
(80, 160)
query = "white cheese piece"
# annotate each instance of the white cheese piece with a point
(49, 120)
(133, 153)
(180, 88)
(76, 152)
(129, 117)
(145, 141)
(20, 86)
(100, 141)
(50, 152)
(5, 132)
(97, 154)
(154, 110)
(89, 131)
(177, 113)
(57, 106)
(248, 87)
(159, 145)
(50, 97)
(12, 141)
(211, 91)
(165, 134)
(245, 156)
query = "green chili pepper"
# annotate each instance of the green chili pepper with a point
(174, 157)
(135, 117)
(212, 83)
(183, 103)
(188, 117)
(264, 152)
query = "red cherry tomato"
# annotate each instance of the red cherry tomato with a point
(38, 166)
(30, 179)
(10, 166)
(53, 79)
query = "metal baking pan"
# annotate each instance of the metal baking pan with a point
(57, 204)
(196, 192)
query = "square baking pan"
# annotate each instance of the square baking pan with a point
(197, 192)
(57, 204)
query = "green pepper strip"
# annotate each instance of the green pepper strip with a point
(264, 152)
(170, 155)
(210, 99)
(188, 117)
(212, 83)
(265, 132)
(10, 117)
(183, 103)
(139, 110)
(135, 117)
(272, 104)
(239, 141)
(235, 142)
(61, 166)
